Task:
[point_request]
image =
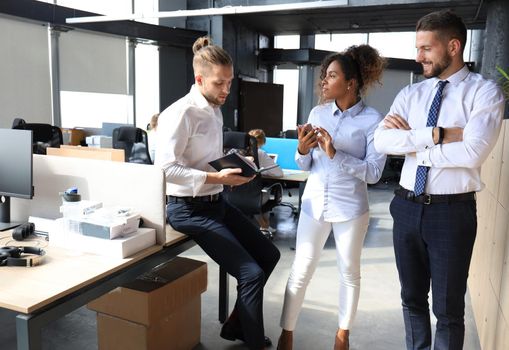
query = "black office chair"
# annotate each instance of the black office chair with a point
(290, 134)
(134, 142)
(43, 135)
(253, 197)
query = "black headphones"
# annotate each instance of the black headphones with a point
(23, 231)
(14, 256)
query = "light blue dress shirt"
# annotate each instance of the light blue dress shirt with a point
(336, 190)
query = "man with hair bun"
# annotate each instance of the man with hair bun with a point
(445, 126)
(190, 135)
(336, 147)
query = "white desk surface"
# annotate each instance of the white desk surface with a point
(27, 289)
(173, 236)
(291, 175)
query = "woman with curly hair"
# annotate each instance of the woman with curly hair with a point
(336, 146)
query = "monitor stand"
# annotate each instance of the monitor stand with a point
(5, 214)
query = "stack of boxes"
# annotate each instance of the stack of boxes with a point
(160, 310)
(88, 227)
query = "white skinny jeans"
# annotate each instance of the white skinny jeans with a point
(311, 237)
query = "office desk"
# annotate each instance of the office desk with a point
(290, 175)
(68, 280)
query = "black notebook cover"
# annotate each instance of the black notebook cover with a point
(235, 160)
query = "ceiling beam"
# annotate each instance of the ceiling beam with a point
(56, 16)
(215, 11)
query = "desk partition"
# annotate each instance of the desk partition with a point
(137, 186)
(87, 152)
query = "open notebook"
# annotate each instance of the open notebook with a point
(235, 160)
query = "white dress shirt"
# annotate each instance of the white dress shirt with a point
(189, 135)
(469, 101)
(336, 189)
(265, 161)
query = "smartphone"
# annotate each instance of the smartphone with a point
(306, 127)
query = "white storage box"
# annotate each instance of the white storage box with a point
(99, 141)
(80, 208)
(118, 248)
(109, 223)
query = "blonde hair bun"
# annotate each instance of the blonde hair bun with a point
(201, 43)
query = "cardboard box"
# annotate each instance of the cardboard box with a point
(147, 300)
(160, 307)
(73, 136)
(178, 331)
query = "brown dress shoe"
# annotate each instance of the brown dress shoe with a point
(285, 341)
(342, 340)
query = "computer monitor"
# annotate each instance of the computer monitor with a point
(16, 176)
(107, 128)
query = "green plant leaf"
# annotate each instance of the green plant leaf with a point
(503, 72)
(504, 81)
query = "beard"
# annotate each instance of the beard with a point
(438, 67)
(215, 100)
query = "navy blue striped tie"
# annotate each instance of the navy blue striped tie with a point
(422, 171)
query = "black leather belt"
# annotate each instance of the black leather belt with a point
(198, 199)
(433, 198)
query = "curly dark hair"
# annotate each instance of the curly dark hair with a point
(362, 63)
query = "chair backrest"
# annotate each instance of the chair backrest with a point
(242, 142)
(290, 134)
(44, 135)
(249, 197)
(134, 142)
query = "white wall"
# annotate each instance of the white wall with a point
(381, 97)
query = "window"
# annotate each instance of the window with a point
(395, 45)
(339, 42)
(287, 41)
(25, 83)
(93, 79)
(289, 77)
(402, 44)
(392, 44)
(94, 70)
(147, 83)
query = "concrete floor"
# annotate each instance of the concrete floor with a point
(378, 326)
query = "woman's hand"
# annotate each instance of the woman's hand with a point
(307, 138)
(325, 141)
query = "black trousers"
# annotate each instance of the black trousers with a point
(433, 243)
(238, 246)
